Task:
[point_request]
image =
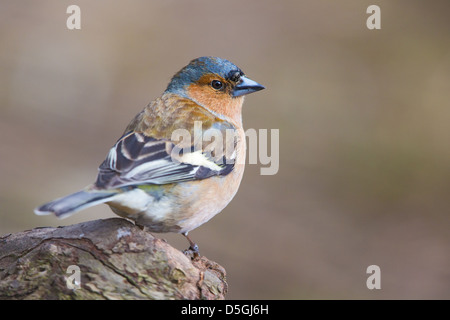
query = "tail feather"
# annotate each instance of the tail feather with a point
(72, 203)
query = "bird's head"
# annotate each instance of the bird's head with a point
(214, 83)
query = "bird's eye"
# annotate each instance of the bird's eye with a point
(216, 84)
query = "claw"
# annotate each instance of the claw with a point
(193, 248)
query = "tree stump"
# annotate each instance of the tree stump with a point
(112, 259)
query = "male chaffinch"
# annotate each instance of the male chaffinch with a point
(167, 186)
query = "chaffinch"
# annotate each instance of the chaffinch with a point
(165, 185)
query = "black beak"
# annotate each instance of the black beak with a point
(246, 86)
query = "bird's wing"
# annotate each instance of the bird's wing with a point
(137, 159)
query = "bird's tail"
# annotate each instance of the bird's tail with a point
(64, 207)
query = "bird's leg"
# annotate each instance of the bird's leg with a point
(142, 227)
(193, 247)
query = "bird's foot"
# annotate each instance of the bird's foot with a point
(192, 252)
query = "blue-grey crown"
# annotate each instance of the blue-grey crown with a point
(199, 67)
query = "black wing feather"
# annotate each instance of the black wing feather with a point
(138, 159)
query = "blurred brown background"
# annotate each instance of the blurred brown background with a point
(364, 119)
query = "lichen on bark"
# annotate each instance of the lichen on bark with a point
(116, 259)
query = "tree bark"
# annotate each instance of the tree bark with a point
(116, 260)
